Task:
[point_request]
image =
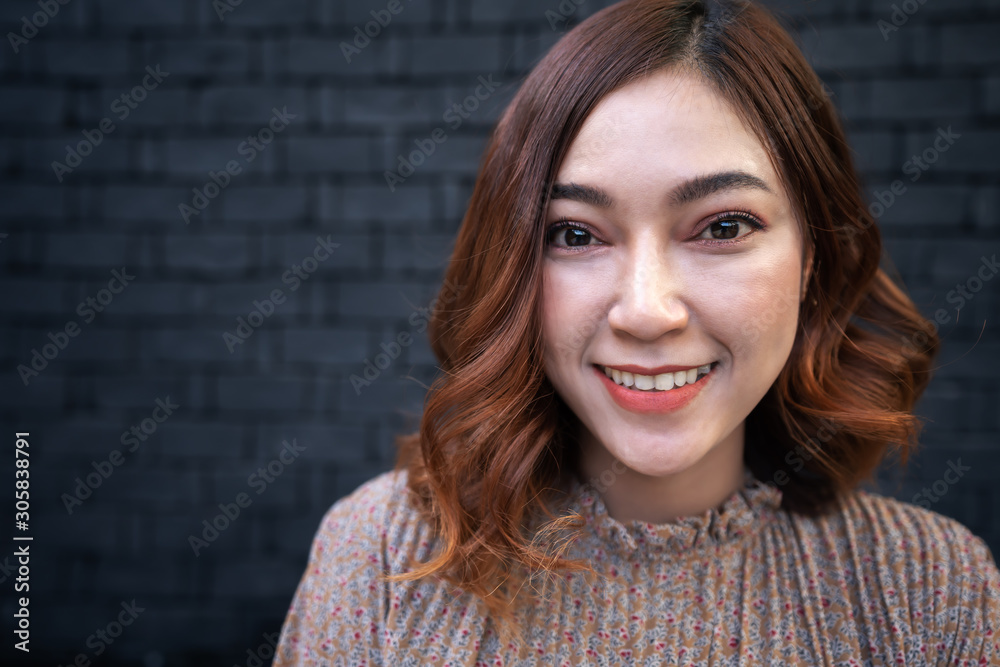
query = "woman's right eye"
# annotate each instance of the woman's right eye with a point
(569, 234)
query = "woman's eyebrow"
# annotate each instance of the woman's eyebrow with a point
(689, 191)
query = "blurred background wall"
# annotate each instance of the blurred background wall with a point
(225, 160)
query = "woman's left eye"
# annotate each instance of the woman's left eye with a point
(571, 235)
(726, 228)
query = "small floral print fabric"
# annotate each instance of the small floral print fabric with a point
(873, 582)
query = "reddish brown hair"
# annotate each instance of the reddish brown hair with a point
(493, 440)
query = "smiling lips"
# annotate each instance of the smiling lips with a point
(665, 379)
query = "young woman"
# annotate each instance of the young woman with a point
(675, 360)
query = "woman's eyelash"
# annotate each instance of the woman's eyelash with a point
(743, 214)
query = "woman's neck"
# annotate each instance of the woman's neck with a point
(630, 495)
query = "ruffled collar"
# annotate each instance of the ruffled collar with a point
(751, 505)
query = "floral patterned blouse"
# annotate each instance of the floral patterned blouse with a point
(874, 582)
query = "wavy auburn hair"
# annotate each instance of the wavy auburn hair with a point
(495, 438)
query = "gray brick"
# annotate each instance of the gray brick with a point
(384, 299)
(324, 346)
(22, 295)
(98, 344)
(32, 104)
(138, 394)
(252, 105)
(95, 58)
(199, 156)
(245, 580)
(322, 443)
(163, 105)
(223, 56)
(410, 12)
(440, 55)
(110, 155)
(252, 479)
(182, 345)
(325, 56)
(986, 207)
(267, 204)
(152, 489)
(26, 201)
(417, 251)
(125, 14)
(85, 527)
(292, 13)
(971, 44)
(873, 151)
(208, 252)
(160, 298)
(926, 98)
(527, 11)
(850, 47)
(45, 390)
(329, 154)
(253, 393)
(286, 250)
(410, 203)
(138, 203)
(236, 298)
(922, 204)
(458, 154)
(972, 150)
(86, 249)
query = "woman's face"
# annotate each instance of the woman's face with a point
(660, 271)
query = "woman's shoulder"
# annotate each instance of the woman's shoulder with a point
(913, 533)
(910, 558)
(378, 518)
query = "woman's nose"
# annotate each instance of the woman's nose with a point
(650, 299)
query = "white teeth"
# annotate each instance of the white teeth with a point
(661, 382)
(644, 382)
(665, 381)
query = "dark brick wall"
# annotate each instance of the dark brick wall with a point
(321, 177)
